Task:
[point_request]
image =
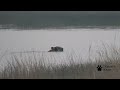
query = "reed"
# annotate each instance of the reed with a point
(36, 68)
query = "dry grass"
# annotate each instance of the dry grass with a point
(108, 55)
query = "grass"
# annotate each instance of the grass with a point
(108, 57)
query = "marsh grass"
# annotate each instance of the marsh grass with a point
(35, 68)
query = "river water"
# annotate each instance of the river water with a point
(74, 41)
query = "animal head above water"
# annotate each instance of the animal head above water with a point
(56, 49)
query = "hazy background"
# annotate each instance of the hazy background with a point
(57, 19)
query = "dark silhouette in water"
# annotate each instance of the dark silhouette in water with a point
(56, 49)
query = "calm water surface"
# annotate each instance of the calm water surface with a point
(74, 41)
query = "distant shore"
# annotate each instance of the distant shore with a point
(7, 27)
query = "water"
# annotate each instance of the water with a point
(74, 41)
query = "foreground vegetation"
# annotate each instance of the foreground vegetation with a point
(108, 57)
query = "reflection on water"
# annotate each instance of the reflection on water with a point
(76, 42)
